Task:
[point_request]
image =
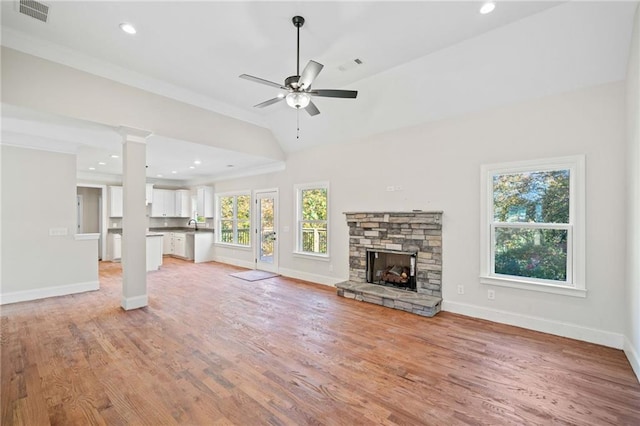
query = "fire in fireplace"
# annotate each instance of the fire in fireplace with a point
(392, 268)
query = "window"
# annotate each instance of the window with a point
(312, 222)
(533, 225)
(234, 218)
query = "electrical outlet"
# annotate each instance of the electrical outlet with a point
(491, 294)
(57, 232)
(331, 267)
(460, 289)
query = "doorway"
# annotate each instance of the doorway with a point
(266, 230)
(90, 213)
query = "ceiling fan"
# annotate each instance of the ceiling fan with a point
(299, 85)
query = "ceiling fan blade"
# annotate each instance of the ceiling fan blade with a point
(309, 73)
(312, 109)
(262, 81)
(330, 93)
(269, 102)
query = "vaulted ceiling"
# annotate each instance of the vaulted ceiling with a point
(420, 61)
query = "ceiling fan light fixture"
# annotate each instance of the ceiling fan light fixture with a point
(298, 100)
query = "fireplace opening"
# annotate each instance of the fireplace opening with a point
(392, 268)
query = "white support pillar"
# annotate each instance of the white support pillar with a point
(134, 219)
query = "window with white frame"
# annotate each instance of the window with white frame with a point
(312, 218)
(234, 218)
(533, 229)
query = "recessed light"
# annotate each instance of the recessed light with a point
(92, 168)
(127, 28)
(197, 162)
(102, 163)
(115, 156)
(487, 7)
(173, 172)
(229, 165)
(192, 167)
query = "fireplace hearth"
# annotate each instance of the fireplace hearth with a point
(395, 260)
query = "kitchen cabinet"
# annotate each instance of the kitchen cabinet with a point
(179, 246)
(183, 203)
(167, 243)
(164, 203)
(116, 246)
(174, 244)
(200, 246)
(205, 201)
(148, 195)
(115, 201)
(154, 252)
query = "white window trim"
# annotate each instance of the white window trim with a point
(219, 219)
(297, 192)
(576, 248)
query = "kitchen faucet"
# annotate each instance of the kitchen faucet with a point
(195, 222)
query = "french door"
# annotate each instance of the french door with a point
(266, 230)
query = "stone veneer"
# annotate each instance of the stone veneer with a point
(419, 232)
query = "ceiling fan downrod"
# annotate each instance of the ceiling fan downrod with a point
(298, 21)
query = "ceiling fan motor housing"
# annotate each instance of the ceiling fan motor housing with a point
(292, 81)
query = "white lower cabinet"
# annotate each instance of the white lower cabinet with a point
(116, 245)
(179, 247)
(167, 243)
(174, 243)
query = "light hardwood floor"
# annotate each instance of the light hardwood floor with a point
(211, 349)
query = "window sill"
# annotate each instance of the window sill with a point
(322, 257)
(528, 285)
(233, 246)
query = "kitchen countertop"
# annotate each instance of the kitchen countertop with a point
(162, 230)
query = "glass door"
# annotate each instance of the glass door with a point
(266, 229)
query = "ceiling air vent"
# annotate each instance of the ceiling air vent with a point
(350, 64)
(35, 9)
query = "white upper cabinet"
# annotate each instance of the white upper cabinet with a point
(171, 203)
(115, 201)
(164, 203)
(183, 203)
(205, 201)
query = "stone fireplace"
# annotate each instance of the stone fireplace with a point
(395, 260)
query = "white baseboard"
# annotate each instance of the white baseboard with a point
(235, 262)
(573, 331)
(632, 356)
(44, 292)
(129, 303)
(307, 276)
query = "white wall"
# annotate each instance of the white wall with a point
(632, 332)
(38, 194)
(438, 167)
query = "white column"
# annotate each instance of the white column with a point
(134, 219)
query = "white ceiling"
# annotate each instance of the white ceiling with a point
(422, 61)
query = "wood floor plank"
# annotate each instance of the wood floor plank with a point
(211, 349)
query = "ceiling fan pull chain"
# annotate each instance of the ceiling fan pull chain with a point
(298, 123)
